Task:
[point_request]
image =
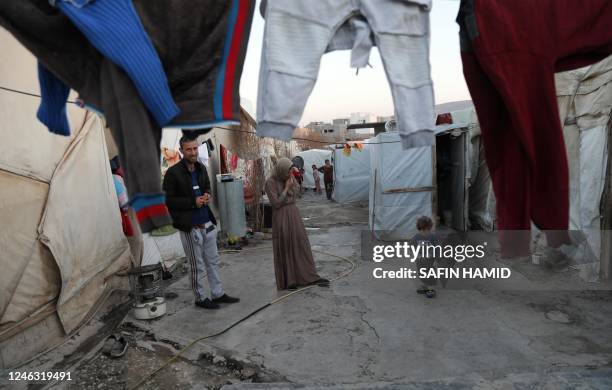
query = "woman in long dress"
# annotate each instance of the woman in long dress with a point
(293, 262)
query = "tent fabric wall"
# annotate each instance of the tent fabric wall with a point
(81, 224)
(316, 157)
(25, 262)
(393, 169)
(585, 107)
(61, 235)
(27, 164)
(163, 248)
(352, 175)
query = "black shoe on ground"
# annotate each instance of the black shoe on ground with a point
(293, 287)
(422, 290)
(207, 304)
(226, 299)
(431, 293)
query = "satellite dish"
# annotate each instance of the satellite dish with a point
(391, 125)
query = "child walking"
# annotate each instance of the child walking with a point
(426, 236)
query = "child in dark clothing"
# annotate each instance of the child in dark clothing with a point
(426, 236)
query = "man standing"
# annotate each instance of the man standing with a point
(187, 189)
(328, 178)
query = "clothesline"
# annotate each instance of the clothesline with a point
(220, 127)
(29, 94)
(311, 140)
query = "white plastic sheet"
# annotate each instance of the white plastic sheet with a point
(352, 175)
(401, 186)
(163, 248)
(316, 157)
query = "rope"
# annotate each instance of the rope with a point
(29, 94)
(220, 127)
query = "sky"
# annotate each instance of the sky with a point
(339, 91)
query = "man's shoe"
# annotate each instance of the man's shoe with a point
(207, 304)
(226, 299)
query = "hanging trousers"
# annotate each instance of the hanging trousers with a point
(510, 52)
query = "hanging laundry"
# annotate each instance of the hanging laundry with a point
(203, 153)
(358, 146)
(510, 52)
(346, 150)
(223, 159)
(444, 119)
(171, 156)
(115, 30)
(297, 33)
(52, 109)
(201, 45)
(122, 196)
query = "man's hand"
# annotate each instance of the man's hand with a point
(200, 201)
(207, 198)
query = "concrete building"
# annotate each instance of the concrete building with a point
(339, 127)
(362, 117)
(385, 118)
(322, 128)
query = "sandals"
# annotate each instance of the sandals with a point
(115, 346)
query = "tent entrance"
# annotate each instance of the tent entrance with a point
(452, 178)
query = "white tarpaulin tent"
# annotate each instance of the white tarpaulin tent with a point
(401, 185)
(61, 234)
(351, 175)
(316, 157)
(404, 183)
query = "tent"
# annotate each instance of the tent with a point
(585, 106)
(401, 186)
(481, 199)
(351, 174)
(425, 181)
(61, 234)
(316, 157)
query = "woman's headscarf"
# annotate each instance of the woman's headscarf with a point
(281, 171)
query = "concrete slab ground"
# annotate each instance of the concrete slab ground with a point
(366, 333)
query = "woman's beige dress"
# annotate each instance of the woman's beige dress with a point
(293, 261)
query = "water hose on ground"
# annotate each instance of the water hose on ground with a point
(150, 375)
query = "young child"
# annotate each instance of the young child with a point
(317, 179)
(425, 235)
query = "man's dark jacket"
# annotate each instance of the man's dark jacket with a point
(179, 194)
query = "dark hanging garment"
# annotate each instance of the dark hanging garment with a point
(510, 52)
